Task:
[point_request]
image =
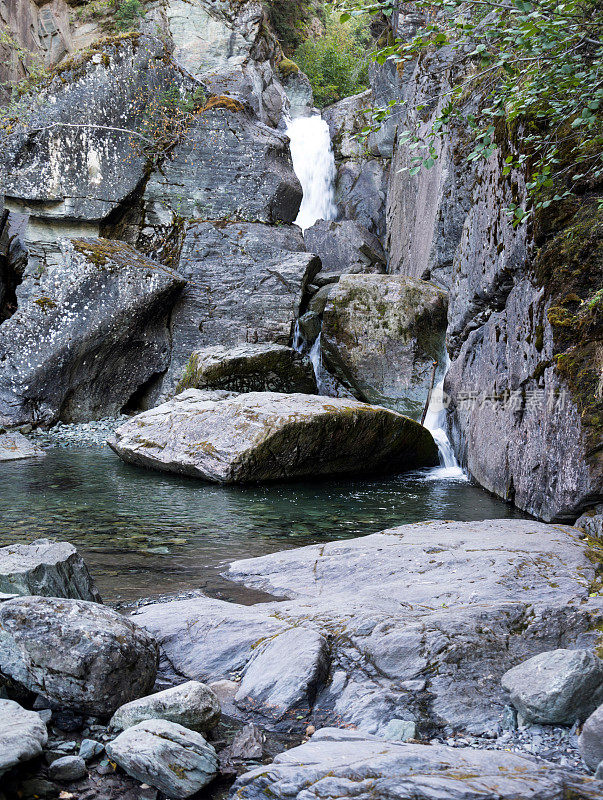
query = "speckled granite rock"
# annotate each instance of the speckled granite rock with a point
(191, 704)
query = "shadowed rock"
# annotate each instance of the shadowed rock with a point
(264, 436)
(52, 569)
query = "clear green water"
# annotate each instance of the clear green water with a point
(145, 533)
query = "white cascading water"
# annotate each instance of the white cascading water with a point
(314, 165)
(435, 422)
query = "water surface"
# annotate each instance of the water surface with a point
(146, 533)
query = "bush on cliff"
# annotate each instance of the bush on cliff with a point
(336, 62)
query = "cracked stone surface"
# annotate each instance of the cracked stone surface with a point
(420, 621)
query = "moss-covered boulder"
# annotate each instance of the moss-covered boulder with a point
(249, 368)
(264, 436)
(381, 335)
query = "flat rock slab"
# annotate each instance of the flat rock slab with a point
(84, 656)
(265, 436)
(22, 735)
(421, 622)
(14, 446)
(52, 569)
(344, 764)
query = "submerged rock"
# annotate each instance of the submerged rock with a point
(14, 446)
(249, 368)
(172, 758)
(22, 735)
(558, 687)
(264, 436)
(341, 764)
(381, 335)
(191, 704)
(82, 656)
(422, 621)
(52, 569)
(93, 331)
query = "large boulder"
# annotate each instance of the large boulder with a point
(249, 368)
(80, 655)
(264, 436)
(53, 569)
(340, 764)
(591, 739)
(22, 735)
(93, 330)
(421, 622)
(14, 446)
(165, 755)
(191, 704)
(246, 282)
(558, 687)
(381, 335)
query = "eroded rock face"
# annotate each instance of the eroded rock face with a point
(192, 704)
(83, 656)
(265, 436)
(422, 621)
(249, 368)
(381, 335)
(51, 569)
(520, 422)
(22, 735)
(245, 285)
(166, 755)
(93, 330)
(346, 764)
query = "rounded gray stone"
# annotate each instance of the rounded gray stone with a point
(192, 704)
(591, 739)
(22, 735)
(68, 768)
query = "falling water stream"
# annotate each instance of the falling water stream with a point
(314, 165)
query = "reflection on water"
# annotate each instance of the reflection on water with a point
(145, 533)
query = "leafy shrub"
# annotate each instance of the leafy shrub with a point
(127, 14)
(336, 63)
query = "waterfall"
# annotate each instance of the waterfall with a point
(314, 165)
(435, 422)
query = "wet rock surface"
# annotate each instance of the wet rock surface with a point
(347, 763)
(400, 611)
(53, 569)
(83, 656)
(263, 436)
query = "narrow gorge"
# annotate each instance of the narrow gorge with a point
(301, 400)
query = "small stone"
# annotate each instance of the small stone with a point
(192, 704)
(248, 743)
(90, 749)
(45, 715)
(68, 768)
(399, 730)
(310, 730)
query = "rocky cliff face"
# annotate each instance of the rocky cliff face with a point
(165, 138)
(524, 383)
